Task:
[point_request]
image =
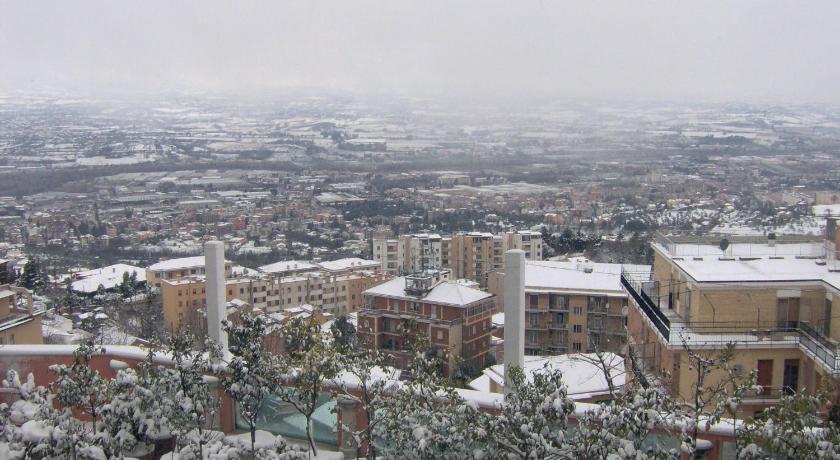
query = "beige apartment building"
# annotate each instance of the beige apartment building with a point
(472, 255)
(20, 323)
(572, 306)
(173, 269)
(339, 294)
(773, 298)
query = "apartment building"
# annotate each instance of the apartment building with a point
(338, 294)
(572, 306)
(454, 317)
(470, 255)
(20, 323)
(409, 253)
(174, 269)
(773, 298)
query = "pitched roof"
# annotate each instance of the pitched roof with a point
(448, 292)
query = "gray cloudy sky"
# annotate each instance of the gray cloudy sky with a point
(733, 49)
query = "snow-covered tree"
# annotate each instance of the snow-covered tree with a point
(189, 402)
(716, 390)
(132, 418)
(427, 418)
(313, 362)
(80, 386)
(33, 428)
(533, 419)
(792, 429)
(252, 372)
(367, 380)
(33, 276)
(621, 428)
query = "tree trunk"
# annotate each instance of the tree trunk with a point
(253, 440)
(309, 435)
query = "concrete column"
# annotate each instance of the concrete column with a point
(347, 408)
(214, 264)
(514, 299)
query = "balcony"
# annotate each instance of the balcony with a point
(676, 333)
(767, 395)
(559, 307)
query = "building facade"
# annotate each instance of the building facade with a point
(184, 299)
(20, 323)
(772, 298)
(455, 318)
(472, 255)
(572, 307)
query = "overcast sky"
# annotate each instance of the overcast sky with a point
(726, 50)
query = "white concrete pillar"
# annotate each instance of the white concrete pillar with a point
(514, 299)
(214, 265)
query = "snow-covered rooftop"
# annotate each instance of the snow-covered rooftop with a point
(349, 263)
(447, 293)
(787, 265)
(288, 266)
(582, 374)
(178, 264)
(108, 277)
(578, 276)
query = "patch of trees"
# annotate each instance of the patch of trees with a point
(421, 416)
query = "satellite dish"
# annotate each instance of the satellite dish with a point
(724, 244)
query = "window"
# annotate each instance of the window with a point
(577, 328)
(532, 337)
(415, 307)
(578, 310)
(576, 346)
(597, 303)
(534, 320)
(534, 301)
(440, 334)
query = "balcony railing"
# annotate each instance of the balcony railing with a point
(720, 333)
(767, 394)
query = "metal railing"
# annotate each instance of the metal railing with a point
(634, 286)
(687, 245)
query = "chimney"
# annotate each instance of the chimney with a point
(214, 264)
(514, 302)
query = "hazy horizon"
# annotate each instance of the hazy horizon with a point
(763, 51)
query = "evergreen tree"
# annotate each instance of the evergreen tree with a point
(344, 334)
(33, 276)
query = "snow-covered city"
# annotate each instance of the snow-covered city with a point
(419, 230)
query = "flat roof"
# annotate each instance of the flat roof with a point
(177, 264)
(285, 266)
(348, 264)
(791, 264)
(578, 276)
